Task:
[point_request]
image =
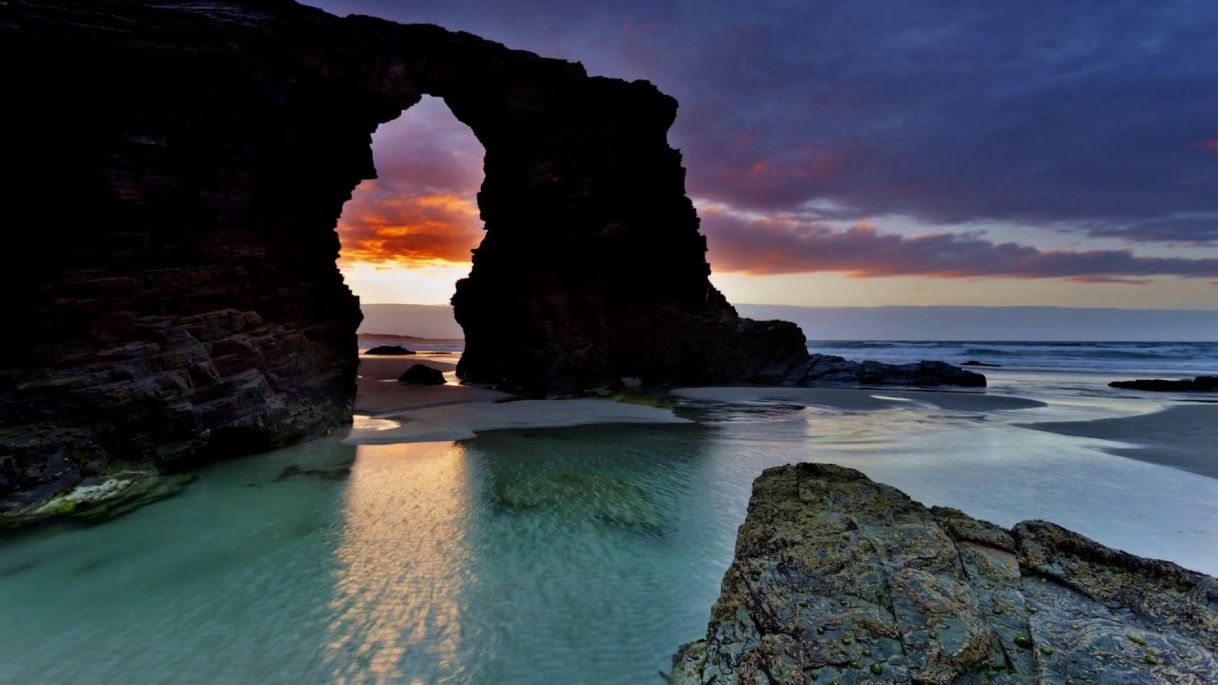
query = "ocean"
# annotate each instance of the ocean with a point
(1175, 359)
(573, 555)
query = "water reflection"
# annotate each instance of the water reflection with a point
(400, 563)
(511, 557)
(574, 555)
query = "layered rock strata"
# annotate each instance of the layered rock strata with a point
(837, 579)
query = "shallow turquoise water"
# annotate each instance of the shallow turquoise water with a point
(582, 555)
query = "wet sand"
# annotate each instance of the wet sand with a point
(462, 421)
(860, 399)
(1183, 436)
(417, 413)
(379, 392)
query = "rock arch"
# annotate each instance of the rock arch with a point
(175, 296)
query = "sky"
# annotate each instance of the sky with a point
(863, 153)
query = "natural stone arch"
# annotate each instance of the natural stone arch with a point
(185, 304)
(592, 267)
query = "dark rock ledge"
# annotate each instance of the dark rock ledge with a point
(838, 579)
(1198, 384)
(824, 369)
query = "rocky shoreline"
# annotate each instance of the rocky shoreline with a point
(1198, 384)
(838, 579)
(826, 369)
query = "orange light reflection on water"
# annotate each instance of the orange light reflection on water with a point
(398, 584)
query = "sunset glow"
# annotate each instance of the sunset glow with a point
(890, 198)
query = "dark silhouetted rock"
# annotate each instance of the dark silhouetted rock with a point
(840, 579)
(421, 374)
(824, 369)
(974, 362)
(391, 350)
(1198, 384)
(173, 296)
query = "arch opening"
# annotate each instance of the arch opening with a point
(407, 235)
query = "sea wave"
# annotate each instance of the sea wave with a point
(1179, 358)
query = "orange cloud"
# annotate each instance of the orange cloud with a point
(1210, 144)
(408, 230)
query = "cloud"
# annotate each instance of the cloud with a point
(1091, 117)
(786, 244)
(1187, 230)
(1041, 112)
(422, 208)
(421, 229)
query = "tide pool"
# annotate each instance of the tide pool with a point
(574, 555)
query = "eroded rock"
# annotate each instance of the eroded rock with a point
(170, 287)
(840, 579)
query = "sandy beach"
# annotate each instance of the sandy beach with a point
(860, 399)
(1182, 436)
(379, 392)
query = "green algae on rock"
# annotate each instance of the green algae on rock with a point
(103, 497)
(832, 570)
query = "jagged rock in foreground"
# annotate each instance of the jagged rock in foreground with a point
(838, 579)
(825, 369)
(1198, 384)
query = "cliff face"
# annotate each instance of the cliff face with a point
(176, 172)
(841, 580)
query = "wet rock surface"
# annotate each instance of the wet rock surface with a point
(1198, 384)
(838, 579)
(101, 498)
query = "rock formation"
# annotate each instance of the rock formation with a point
(825, 369)
(176, 173)
(838, 579)
(422, 374)
(1198, 384)
(389, 350)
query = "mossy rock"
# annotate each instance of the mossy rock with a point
(102, 497)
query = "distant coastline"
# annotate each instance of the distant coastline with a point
(944, 323)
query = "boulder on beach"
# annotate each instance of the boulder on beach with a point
(389, 350)
(837, 578)
(974, 362)
(421, 374)
(1198, 384)
(825, 369)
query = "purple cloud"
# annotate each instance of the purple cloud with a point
(1071, 115)
(789, 245)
